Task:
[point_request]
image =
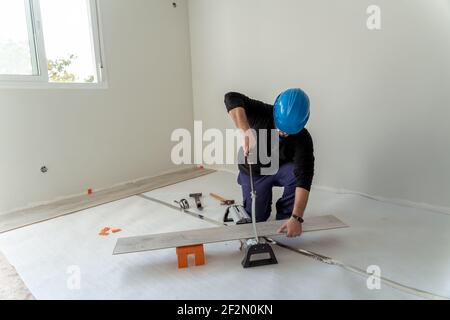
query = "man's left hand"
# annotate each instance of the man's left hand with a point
(292, 228)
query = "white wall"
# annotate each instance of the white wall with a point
(98, 138)
(380, 99)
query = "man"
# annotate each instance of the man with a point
(288, 116)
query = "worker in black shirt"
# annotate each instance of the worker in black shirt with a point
(288, 116)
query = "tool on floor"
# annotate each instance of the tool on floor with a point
(222, 200)
(191, 213)
(198, 201)
(257, 252)
(237, 214)
(183, 203)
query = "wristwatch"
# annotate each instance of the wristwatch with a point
(298, 218)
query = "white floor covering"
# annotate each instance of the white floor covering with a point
(411, 246)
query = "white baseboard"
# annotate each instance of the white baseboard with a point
(400, 202)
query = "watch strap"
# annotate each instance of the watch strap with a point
(298, 218)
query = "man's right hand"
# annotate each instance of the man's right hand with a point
(248, 138)
(249, 142)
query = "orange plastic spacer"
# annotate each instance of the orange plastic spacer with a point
(183, 252)
(104, 231)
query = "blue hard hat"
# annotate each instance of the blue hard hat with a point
(291, 111)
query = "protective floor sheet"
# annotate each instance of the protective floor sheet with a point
(65, 258)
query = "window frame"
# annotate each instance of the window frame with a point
(39, 59)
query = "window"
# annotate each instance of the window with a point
(50, 42)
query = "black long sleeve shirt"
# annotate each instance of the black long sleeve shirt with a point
(296, 148)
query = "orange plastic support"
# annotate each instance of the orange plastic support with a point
(183, 252)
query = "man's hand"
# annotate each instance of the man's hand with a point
(292, 228)
(240, 120)
(248, 142)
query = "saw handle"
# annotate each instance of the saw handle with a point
(217, 197)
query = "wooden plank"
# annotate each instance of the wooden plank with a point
(218, 234)
(22, 218)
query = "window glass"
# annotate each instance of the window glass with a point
(68, 41)
(17, 53)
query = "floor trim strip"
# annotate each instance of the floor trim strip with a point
(22, 218)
